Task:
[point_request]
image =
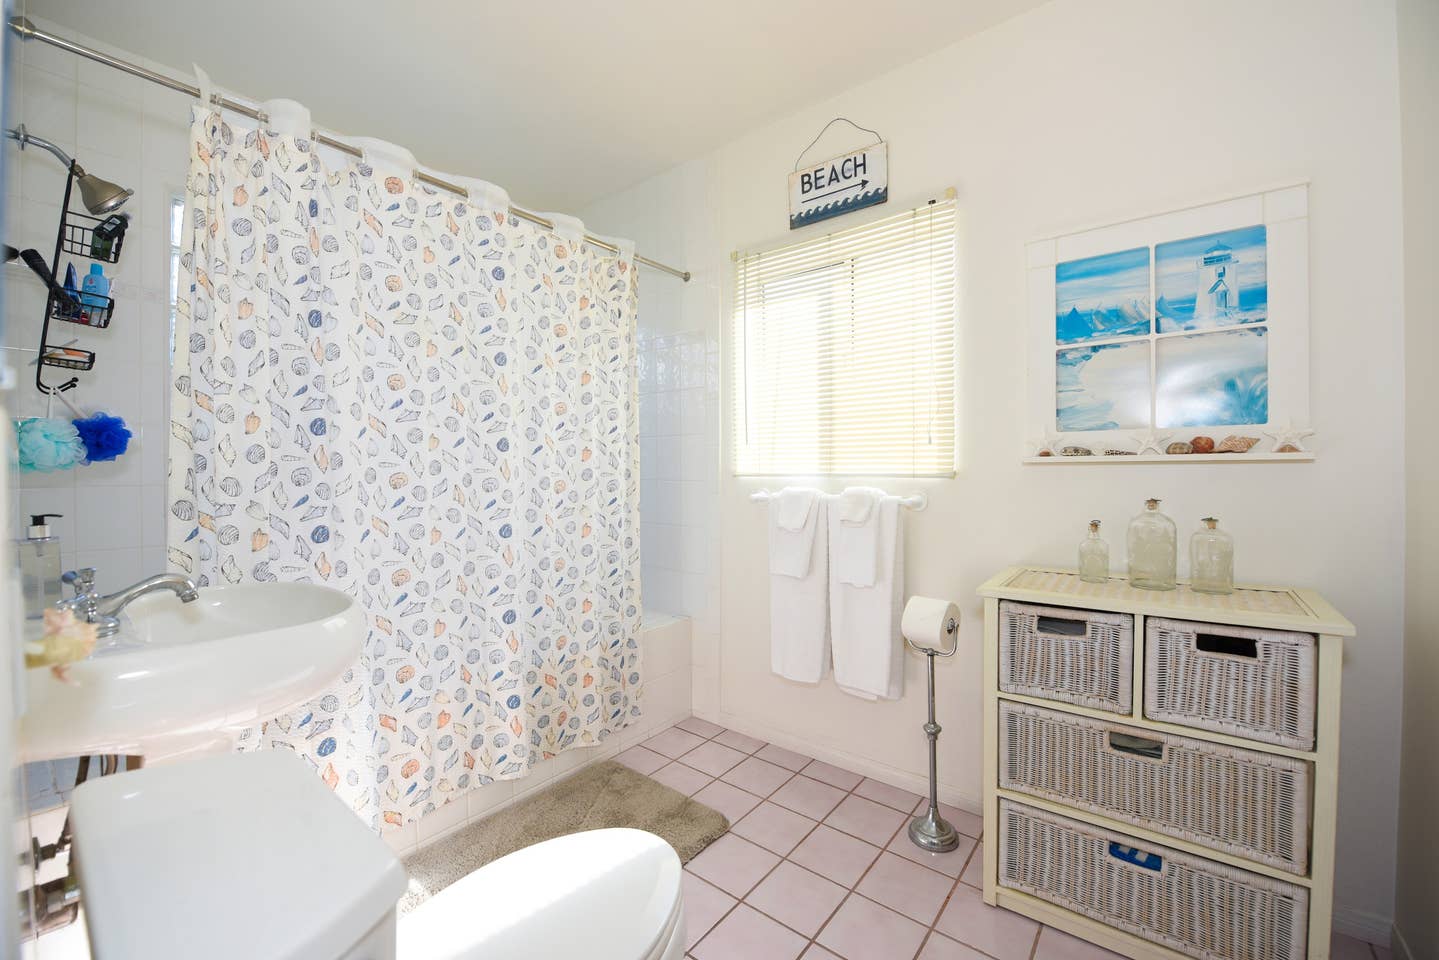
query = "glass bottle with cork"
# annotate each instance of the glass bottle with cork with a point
(1211, 559)
(1153, 549)
(1094, 556)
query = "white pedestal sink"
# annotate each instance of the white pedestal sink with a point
(186, 678)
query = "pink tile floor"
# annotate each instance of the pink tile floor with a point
(817, 865)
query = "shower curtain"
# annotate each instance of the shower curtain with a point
(421, 401)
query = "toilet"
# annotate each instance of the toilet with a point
(599, 895)
(251, 855)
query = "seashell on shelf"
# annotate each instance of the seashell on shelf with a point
(1073, 450)
(1202, 445)
(1236, 444)
(1287, 448)
(1046, 452)
(1179, 448)
(1115, 452)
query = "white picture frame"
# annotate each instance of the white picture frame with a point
(1277, 330)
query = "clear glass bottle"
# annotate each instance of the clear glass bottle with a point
(1211, 559)
(1153, 549)
(1094, 556)
(39, 567)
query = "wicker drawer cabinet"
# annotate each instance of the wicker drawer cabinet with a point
(1161, 768)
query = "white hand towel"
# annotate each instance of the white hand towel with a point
(855, 557)
(791, 543)
(793, 506)
(867, 649)
(799, 590)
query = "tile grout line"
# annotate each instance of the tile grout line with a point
(809, 941)
(852, 890)
(849, 891)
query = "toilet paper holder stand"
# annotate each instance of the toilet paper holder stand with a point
(930, 831)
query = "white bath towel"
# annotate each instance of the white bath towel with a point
(799, 587)
(867, 649)
(855, 557)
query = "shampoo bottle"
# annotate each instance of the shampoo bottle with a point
(96, 287)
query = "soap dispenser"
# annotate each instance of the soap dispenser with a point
(39, 566)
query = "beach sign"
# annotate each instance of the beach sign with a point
(839, 185)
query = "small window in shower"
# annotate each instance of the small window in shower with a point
(177, 228)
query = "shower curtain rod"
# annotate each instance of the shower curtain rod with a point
(28, 31)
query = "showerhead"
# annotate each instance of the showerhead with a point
(101, 196)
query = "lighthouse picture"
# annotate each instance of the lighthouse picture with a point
(1215, 280)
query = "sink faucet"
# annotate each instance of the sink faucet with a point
(104, 611)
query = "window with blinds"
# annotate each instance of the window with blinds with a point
(845, 351)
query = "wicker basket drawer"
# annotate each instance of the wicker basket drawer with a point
(1244, 802)
(1243, 681)
(1076, 656)
(1189, 904)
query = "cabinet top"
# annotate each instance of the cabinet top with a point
(1283, 608)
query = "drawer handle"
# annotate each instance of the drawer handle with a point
(1136, 746)
(1136, 857)
(1213, 643)
(1060, 627)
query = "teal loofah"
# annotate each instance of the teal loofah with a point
(48, 444)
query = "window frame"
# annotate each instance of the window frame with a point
(741, 382)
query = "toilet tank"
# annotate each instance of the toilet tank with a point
(238, 856)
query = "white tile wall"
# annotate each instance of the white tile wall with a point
(679, 464)
(133, 133)
(664, 700)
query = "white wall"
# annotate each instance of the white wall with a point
(679, 369)
(135, 134)
(679, 466)
(1079, 113)
(1416, 910)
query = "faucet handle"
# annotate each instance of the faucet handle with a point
(82, 580)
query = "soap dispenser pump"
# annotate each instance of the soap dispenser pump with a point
(39, 566)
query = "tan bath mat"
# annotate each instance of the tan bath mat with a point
(606, 794)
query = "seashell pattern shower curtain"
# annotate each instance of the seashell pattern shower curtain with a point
(418, 400)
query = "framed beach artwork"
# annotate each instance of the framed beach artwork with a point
(1179, 336)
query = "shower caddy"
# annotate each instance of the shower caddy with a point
(76, 236)
(1161, 769)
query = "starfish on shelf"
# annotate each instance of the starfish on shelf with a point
(1289, 438)
(1151, 441)
(1048, 447)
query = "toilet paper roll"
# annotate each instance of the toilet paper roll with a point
(926, 621)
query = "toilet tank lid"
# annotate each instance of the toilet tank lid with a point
(610, 894)
(244, 855)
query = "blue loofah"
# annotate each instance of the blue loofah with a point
(105, 437)
(48, 444)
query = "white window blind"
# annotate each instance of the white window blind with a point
(845, 351)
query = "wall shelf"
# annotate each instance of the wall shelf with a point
(1302, 457)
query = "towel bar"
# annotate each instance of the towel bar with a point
(916, 502)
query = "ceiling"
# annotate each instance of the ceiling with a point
(559, 102)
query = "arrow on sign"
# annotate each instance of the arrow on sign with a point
(820, 196)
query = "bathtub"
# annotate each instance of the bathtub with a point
(652, 619)
(665, 664)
